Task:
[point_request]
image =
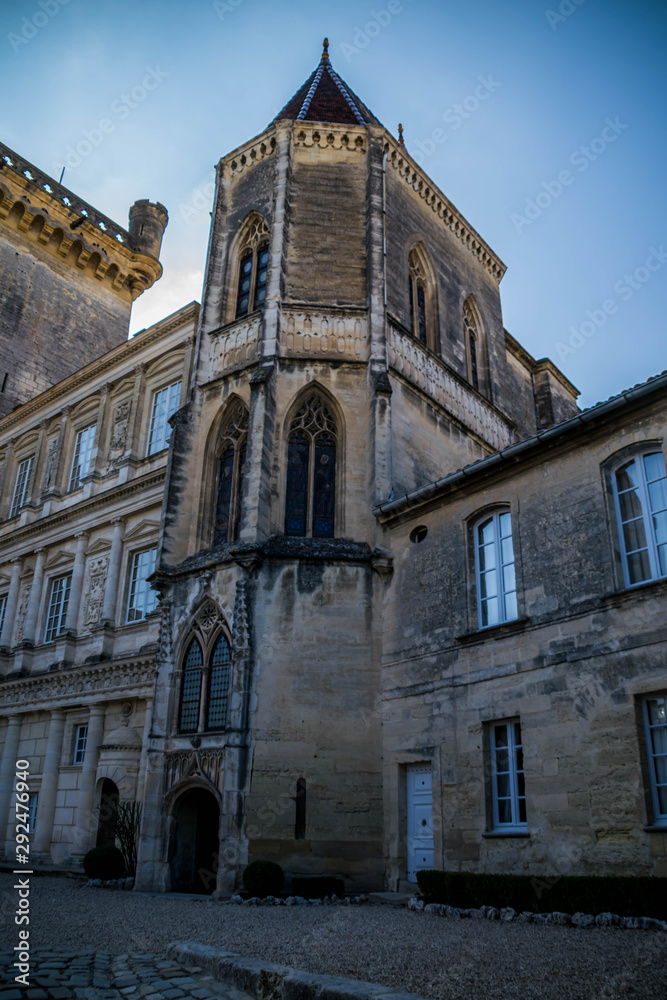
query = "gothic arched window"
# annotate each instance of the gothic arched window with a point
(231, 455)
(310, 498)
(253, 268)
(417, 299)
(422, 293)
(205, 675)
(471, 334)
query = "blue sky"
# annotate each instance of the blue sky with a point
(560, 167)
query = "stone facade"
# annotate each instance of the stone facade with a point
(349, 410)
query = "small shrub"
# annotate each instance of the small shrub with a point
(104, 862)
(263, 878)
(318, 887)
(640, 896)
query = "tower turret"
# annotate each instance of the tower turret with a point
(148, 221)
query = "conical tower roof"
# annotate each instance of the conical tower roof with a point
(324, 97)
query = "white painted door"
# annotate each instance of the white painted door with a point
(420, 819)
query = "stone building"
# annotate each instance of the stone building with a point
(410, 598)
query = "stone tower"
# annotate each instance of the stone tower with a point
(69, 276)
(351, 346)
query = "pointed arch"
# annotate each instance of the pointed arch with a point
(475, 346)
(422, 293)
(228, 428)
(313, 432)
(248, 263)
(205, 672)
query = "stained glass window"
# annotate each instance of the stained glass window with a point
(193, 667)
(310, 496)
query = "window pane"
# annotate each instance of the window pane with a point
(245, 275)
(191, 688)
(486, 534)
(634, 535)
(661, 768)
(658, 495)
(657, 714)
(224, 505)
(218, 690)
(21, 486)
(142, 598)
(627, 477)
(421, 313)
(58, 604)
(630, 505)
(472, 348)
(241, 468)
(504, 811)
(511, 610)
(505, 521)
(654, 466)
(509, 582)
(660, 527)
(489, 584)
(487, 557)
(165, 404)
(260, 282)
(296, 498)
(83, 451)
(490, 611)
(639, 567)
(324, 486)
(662, 800)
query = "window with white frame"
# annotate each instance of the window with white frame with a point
(142, 599)
(655, 721)
(507, 778)
(58, 602)
(32, 811)
(494, 564)
(80, 739)
(22, 485)
(83, 453)
(640, 493)
(3, 609)
(165, 403)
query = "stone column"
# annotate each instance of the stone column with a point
(84, 812)
(12, 603)
(7, 771)
(35, 599)
(101, 421)
(46, 803)
(76, 585)
(113, 574)
(141, 778)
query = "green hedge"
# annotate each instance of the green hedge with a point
(318, 887)
(104, 862)
(625, 895)
(263, 878)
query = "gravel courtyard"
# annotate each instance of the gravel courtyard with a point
(434, 956)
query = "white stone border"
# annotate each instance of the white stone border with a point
(507, 914)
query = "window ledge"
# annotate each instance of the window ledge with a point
(655, 828)
(494, 834)
(493, 631)
(637, 592)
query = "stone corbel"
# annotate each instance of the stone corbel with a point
(382, 562)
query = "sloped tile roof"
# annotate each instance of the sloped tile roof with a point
(324, 97)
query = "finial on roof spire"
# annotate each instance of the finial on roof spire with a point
(325, 50)
(401, 140)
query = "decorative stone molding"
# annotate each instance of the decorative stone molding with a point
(182, 764)
(443, 208)
(119, 431)
(21, 612)
(423, 370)
(235, 347)
(241, 624)
(330, 138)
(86, 683)
(311, 334)
(248, 156)
(96, 573)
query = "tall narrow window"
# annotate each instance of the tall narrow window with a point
(496, 579)
(472, 343)
(253, 267)
(231, 456)
(83, 453)
(311, 471)
(165, 404)
(300, 808)
(57, 613)
(655, 720)
(142, 599)
(3, 610)
(640, 489)
(80, 740)
(508, 785)
(22, 485)
(32, 811)
(206, 674)
(417, 281)
(193, 667)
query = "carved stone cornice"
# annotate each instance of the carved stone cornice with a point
(250, 153)
(420, 182)
(85, 684)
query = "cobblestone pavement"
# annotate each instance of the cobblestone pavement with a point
(69, 975)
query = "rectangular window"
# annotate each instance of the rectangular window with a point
(32, 811)
(165, 403)
(655, 720)
(22, 485)
(507, 779)
(142, 599)
(80, 739)
(3, 609)
(83, 453)
(55, 619)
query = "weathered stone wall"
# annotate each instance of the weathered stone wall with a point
(572, 668)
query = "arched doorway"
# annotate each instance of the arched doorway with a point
(193, 842)
(108, 811)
